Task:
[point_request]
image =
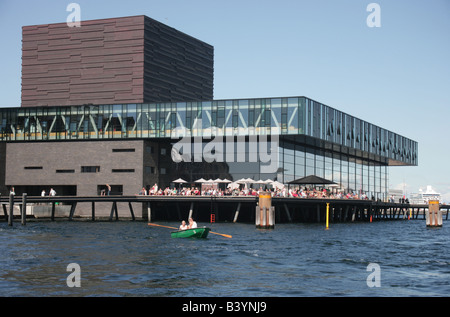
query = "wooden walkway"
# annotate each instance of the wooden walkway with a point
(225, 208)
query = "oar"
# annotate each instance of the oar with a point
(220, 234)
(154, 224)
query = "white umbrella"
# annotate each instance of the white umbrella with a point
(260, 182)
(277, 184)
(233, 185)
(201, 180)
(226, 181)
(218, 180)
(180, 180)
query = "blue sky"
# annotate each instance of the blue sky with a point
(396, 76)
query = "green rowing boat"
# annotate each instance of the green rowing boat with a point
(191, 233)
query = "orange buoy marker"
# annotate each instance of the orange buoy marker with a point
(370, 218)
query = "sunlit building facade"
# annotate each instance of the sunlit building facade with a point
(94, 114)
(312, 139)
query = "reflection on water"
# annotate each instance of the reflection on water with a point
(133, 259)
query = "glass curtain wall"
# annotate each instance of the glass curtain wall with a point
(279, 116)
(352, 175)
(329, 143)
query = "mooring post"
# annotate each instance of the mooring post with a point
(264, 217)
(434, 214)
(236, 214)
(24, 209)
(327, 217)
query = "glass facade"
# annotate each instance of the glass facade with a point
(352, 174)
(313, 138)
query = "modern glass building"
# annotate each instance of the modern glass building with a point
(98, 108)
(310, 139)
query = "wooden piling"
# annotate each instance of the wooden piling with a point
(149, 212)
(24, 209)
(434, 214)
(191, 209)
(114, 211)
(236, 214)
(72, 210)
(131, 211)
(53, 212)
(93, 210)
(5, 213)
(288, 214)
(11, 209)
(264, 218)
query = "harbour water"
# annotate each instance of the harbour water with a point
(128, 258)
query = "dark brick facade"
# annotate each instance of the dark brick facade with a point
(113, 61)
(40, 164)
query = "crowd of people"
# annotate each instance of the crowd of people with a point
(302, 192)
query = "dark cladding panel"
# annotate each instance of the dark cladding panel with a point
(178, 67)
(112, 61)
(100, 62)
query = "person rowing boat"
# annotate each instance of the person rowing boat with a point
(192, 224)
(183, 225)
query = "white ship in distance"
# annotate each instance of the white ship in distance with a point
(423, 197)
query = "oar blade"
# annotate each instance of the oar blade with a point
(156, 225)
(222, 234)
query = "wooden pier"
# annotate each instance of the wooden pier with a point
(219, 208)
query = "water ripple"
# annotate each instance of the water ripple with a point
(132, 259)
